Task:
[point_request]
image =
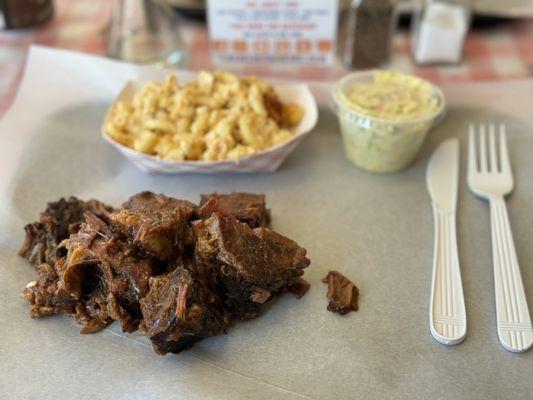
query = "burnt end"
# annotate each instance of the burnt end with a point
(60, 219)
(246, 207)
(179, 311)
(342, 293)
(106, 274)
(298, 287)
(251, 264)
(45, 296)
(39, 244)
(157, 224)
(154, 265)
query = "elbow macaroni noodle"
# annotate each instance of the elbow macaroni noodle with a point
(215, 117)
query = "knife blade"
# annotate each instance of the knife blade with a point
(447, 314)
(442, 175)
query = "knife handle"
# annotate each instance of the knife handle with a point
(447, 314)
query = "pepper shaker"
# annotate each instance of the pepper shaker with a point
(15, 14)
(439, 31)
(370, 26)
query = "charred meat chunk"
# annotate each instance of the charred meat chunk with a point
(179, 272)
(157, 224)
(251, 264)
(60, 219)
(106, 275)
(246, 207)
(179, 311)
(46, 296)
(342, 293)
(298, 287)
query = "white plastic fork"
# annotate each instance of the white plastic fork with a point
(490, 177)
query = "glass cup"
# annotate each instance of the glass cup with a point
(145, 32)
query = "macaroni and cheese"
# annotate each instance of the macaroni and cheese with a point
(215, 117)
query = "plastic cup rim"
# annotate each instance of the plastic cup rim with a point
(430, 117)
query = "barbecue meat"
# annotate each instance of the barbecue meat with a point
(246, 207)
(298, 287)
(106, 275)
(342, 293)
(46, 296)
(60, 219)
(179, 311)
(157, 224)
(250, 264)
(180, 272)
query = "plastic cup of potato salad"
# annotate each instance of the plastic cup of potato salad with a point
(384, 117)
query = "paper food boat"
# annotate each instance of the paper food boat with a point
(266, 161)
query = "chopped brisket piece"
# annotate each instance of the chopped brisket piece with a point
(246, 207)
(156, 223)
(298, 287)
(251, 264)
(153, 265)
(342, 293)
(106, 274)
(60, 219)
(45, 296)
(179, 311)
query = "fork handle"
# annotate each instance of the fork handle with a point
(447, 315)
(513, 320)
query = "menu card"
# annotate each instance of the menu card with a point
(268, 31)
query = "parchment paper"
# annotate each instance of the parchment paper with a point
(376, 229)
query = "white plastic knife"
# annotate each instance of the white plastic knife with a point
(447, 314)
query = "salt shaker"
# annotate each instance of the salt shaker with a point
(439, 31)
(370, 25)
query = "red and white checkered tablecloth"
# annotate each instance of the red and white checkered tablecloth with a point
(495, 53)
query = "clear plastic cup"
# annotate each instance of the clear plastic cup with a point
(380, 144)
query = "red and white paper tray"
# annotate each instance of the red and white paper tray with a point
(265, 161)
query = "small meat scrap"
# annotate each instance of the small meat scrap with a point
(342, 293)
(246, 207)
(251, 264)
(156, 223)
(179, 310)
(60, 219)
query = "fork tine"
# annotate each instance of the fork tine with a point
(483, 164)
(493, 164)
(504, 154)
(472, 156)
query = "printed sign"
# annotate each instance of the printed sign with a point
(283, 31)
